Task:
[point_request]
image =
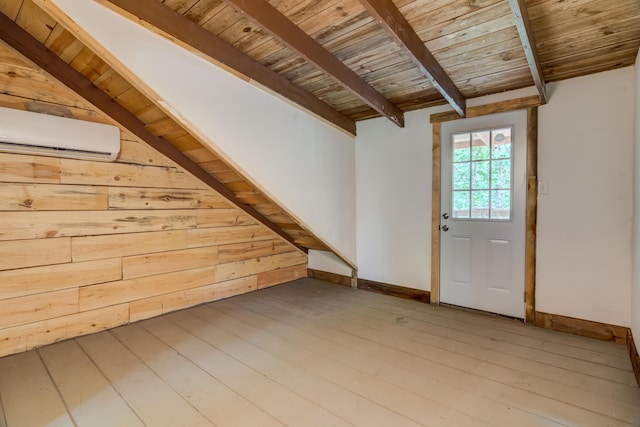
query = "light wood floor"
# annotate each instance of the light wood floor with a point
(314, 354)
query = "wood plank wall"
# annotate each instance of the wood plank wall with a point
(86, 246)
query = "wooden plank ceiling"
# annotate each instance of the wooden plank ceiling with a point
(475, 43)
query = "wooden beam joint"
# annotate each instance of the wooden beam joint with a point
(394, 22)
(523, 24)
(281, 28)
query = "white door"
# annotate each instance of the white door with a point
(483, 201)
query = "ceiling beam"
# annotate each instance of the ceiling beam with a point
(195, 38)
(281, 28)
(523, 24)
(394, 22)
(21, 41)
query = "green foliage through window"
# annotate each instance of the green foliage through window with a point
(482, 164)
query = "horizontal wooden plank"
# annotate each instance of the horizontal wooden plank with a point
(246, 250)
(124, 175)
(19, 168)
(325, 276)
(251, 266)
(169, 198)
(395, 290)
(35, 280)
(26, 337)
(137, 152)
(33, 308)
(45, 224)
(222, 218)
(482, 110)
(150, 307)
(275, 277)
(586, 328)
(48, 197)
(31, 253)
(96, 296)
(120, 245)
(167, 262)
(225, 235)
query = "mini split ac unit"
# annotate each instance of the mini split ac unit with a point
(24, 132)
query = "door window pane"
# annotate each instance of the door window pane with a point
(480, 204)
(482, 163)
(501, 174)
(461, 204)
(461, 176)
(480, 175)
(500, 204)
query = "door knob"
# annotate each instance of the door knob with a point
(445, 228)
(445, 215)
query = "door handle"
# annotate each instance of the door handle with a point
(445, 228)
(445, 215)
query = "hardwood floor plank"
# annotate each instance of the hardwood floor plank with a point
(441, 335)
(29, 397)
(318, 356)
(515, 327)
(221, 405)
(311, 353)
(273, 398)
(147, 394)
(87, 393)
(360, 411)
(3, 420)
(442, 359)
(615, 367)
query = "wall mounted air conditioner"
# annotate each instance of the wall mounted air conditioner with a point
(24, 132)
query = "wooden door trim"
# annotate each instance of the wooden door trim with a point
(531, 204)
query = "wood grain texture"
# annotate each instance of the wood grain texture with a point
(523, 23)
(167, 262)
(483, 110)
(31, 253)
(155, 306)
(197, 39)
(586, 328)
(267, 279)
(43, 197)
(25, 337)
(84, 244)
(276, 24)
(329, 277)
(43, 279)
(399, 28)
(633, 355)
(531, 216)
(395, 290)
(435, 211)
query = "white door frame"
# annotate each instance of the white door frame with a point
(531, 104)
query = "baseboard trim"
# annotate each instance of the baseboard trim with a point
(395, 290)
(336, 279)
(585, 328)
(633, 355)
(372, 286)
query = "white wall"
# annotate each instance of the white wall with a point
(327, 261)
(635, 290)
(305, 164)
(585, 222)
(393, 190)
